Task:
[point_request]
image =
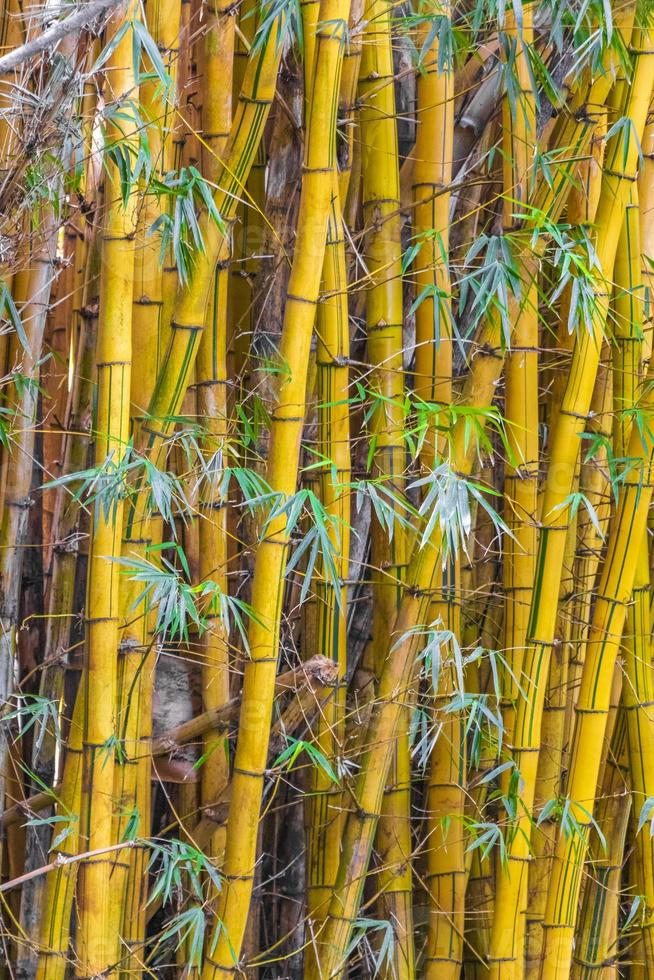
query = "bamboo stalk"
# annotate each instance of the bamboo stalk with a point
(286, 429)
(212, 386)
(97, 937)
(380, 183)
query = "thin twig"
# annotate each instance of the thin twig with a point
(75, 22)
(60, 861)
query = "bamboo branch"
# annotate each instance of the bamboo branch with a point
(47, 40)
(60, 860)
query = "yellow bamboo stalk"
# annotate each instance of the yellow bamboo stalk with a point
(637, 691)
(646, 199)
(521, 386)
(212, 382)
(99, 900)
(614, 592)
(248, 232)
(267, 588)
(59, 890)
(11, 36)
(347, 108)
(136, 650)
(332, 353)
(445, 876)
(582, 209)
(191, 303)
(432, 175)
(384, 320)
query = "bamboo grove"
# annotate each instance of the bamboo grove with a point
(326, 473)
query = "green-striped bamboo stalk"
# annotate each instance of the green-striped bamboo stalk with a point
(582, 209)
(333, 347)
(646, 199)
(596, 944)
(637, 691)
(560, 483)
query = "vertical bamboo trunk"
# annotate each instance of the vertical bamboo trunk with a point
(212, 383)
(384, 321)
(286, 430)
(98, 896)
(582, 209)
(432, 175)
(137, 647)
(521, 399)
(59, 891)
(614, 592)
(59, 336)
(248, 232)
(628, 308)
(193, 297)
